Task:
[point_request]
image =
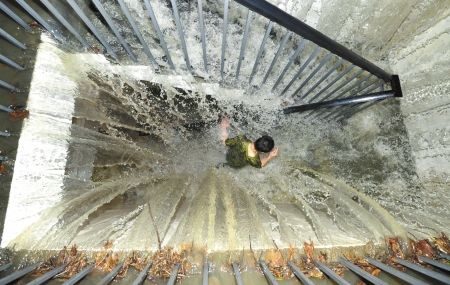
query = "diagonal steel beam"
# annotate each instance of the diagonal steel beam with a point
(261, 50)
(283, 43)
(201, 24)
(10, 62)
(176, 16)
(11, 39)
(224, 37)
(14, 16)
(292, 59)
(244, 42)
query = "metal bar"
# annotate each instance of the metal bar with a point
(269, 276)
(365, 275)
(110, 22)
(137, 32)
(12, 39)
(142, 275)
(261, 50)
(205, 273)
(181, 34)
(322, 79)
(92, 28)
(244, 42)
(224, 37)
(79, 276)
(430, 273)
(340, 102)
(400, 275)
(299, 49)
(297, 272)
(155, 25)
(359, 107)
(64, 22)
(6, 109)
(8, 265)
(18, 274)
(47, 276)
(291, 23)
(110, 277)
(201, 24)
(174, 274)
(313, 55)
(435, 263)
(343, 84)
(14, 16)
(10, 62)
(445, 256)
(319, 67)
(330, 273)
(358, 82)
(39, 19)
(347, 70)
(237, 274)
(8, 86)
(277, 55)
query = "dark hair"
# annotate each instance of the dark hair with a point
(264, 144)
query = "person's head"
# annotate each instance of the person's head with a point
(264, 144)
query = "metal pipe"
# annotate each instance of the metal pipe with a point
(359, 108)
(47, 276)
(142, 275)
(347, 70)
(224, 37)
(365, 275)
(430, 273)
(261, 50)
(79, 276)
(299, 49)
(8, 86)
(400, 275)
(10, 62)
(137, 32)
(339, 62)
(435, 263)
(18, 274)
(330, 273)
(291, 23)
(445, 256)
(205, 273)
(359, 83)
(277, 55)
(244, 42)
(110, 277)
(12, 39)
(111, 25)
(176, 15)
(299, 274)
(39, 19)
(14, 16)
(92, 28)
(173, 274)
(319, 67)
(340, 102)
(65, 23)
(8, 265)
(269, 276)
(237, 274)
(155, 25)
(201, 24)
(6, 109)
(313, 55)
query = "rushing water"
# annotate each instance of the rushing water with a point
(132, 146)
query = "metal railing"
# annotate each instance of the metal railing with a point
(315, 63)
(427, 273)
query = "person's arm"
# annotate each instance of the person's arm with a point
(266, 158)
(223, 129)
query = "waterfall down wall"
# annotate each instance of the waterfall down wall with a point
(129, 146)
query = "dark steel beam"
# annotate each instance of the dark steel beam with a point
(331, 274)
(10, 62)
(427, 272)
(361, 273)
(174, 274)
(18, 274)
(299, 274)
(79, 276)
(269, 276)
(12, 39)
(110, 277)
(142, 275)
(237, 274)
(400, 275)
(47, 276)
(205, 273)
(435, 263)
(340, 102)
(244, 42)
(7, 265)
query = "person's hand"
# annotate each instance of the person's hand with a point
(274, 152)
(225, 123)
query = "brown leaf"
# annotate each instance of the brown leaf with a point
(309, 251)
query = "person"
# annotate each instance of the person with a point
(242, 151)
